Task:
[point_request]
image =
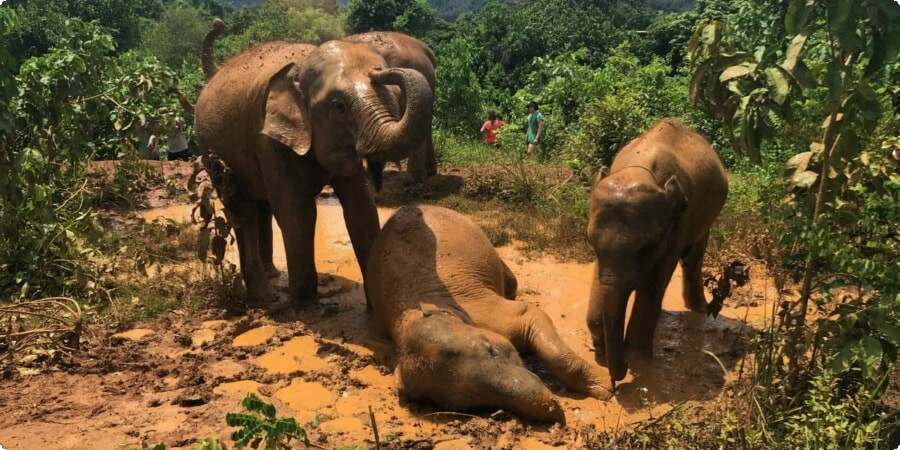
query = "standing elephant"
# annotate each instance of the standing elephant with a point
(291, 118)
(655, 208)
(400, 50)
(442, 291)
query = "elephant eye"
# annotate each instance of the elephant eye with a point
(338, 105)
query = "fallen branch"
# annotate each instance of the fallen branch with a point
(54, 322)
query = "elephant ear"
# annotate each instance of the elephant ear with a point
(676, 199)
(286, 110)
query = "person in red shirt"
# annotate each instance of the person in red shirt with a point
(489, 128)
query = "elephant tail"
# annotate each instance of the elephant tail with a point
(207, 54)
(188, 107)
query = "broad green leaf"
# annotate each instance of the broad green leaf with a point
(878, 55)
(736, 71)
(805, 179)
(778, 84)
(838, 12)
(842, 359)
(794, 50)
(711, 33)
(798, 15)
(798, 162)
(872, 351)
(890, 331)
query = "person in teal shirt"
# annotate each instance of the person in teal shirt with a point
(535, 127)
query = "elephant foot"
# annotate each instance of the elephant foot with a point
(300, 299)
(697, 306)
(271, 271)
(262, 293)
(603, 391)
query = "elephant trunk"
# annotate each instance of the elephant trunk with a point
(606, 321)
(518, 390)
(207, 54)
(185, 103)
(384, 137)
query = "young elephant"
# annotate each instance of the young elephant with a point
(446, 298)
(663, 193)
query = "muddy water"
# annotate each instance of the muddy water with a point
(682, 368)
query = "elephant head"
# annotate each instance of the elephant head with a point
(346, 106)
(630, 226)
(460, 366)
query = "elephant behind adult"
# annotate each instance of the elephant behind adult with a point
(290, 118)
(655, 208)
(400, 50)
(446, 297)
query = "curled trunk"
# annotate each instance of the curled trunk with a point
(207, 54)
(383, 136)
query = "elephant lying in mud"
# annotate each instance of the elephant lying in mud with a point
(655, 208)
(289, 119)
(446, 298)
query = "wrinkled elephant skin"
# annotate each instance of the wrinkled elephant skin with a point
(654, 209)
(400, 50)
(446, 298)
(290, 118)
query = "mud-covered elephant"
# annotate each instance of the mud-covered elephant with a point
(290, 118)
(654, 209)
(400, 50)
(447, 299)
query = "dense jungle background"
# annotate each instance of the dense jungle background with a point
(800, 98)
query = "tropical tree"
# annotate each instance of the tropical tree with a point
(413, 17)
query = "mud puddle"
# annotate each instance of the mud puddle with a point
(323, 366)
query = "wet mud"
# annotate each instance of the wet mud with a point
(174, 379)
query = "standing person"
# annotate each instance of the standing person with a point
(178, 146)
(535, 127)
(489, 129)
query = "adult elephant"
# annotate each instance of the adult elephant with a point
(400, 50)
(291, 118)
(655, 208)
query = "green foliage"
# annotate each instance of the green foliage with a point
(210, 443)
(413, 17)
(43, 22)
(457, 106)
(592, 113)
(309, 21)
(72, 103)
(261, 427)
(175, 37)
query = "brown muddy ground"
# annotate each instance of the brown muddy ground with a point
(173, 380)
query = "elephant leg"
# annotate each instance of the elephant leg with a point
(510, 284)
(692, 265)
(246, 217)
(297, 219)
(595, 318)
(417, 162)
(290, 183)
(646, 311)
(530, 329)
(360, 217)
(265, 239)
(430, 157)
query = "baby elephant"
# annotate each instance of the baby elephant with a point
(442, 291)
(655, 208)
